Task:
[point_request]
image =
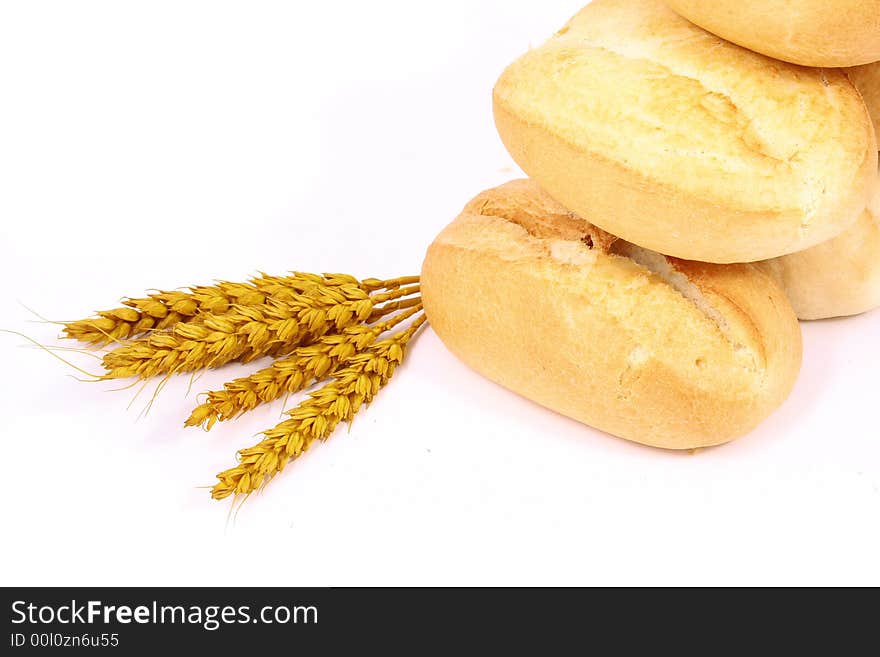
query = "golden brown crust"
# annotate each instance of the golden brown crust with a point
(831, 33)
(689, 357)
(738, 157)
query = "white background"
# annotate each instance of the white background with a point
(160, 144)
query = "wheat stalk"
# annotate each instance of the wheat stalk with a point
(316, 418)
(163, 309)
(247, 332)
(305, 366)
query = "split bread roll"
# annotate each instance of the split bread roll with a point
(808, 32)
(680, 142)
(867, 81)
(839, 277)
(660, 351)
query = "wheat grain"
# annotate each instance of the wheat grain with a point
(247, 332)
(163, 309)
(289, 375)
(315, 419)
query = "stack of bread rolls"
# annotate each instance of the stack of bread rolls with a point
(701, 175)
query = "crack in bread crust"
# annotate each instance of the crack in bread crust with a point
(568, 236)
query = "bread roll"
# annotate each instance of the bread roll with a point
(839, 277)
(807, 32)
(683, 143)
(660, 351)
(867, 81)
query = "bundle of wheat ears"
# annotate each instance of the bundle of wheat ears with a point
(333, 327)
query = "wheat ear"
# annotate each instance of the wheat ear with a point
(305, 366)
(316, 418)
(246, 332)
(163, 309)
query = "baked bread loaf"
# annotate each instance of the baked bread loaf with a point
(660, 351)
(839, 277)
(836, 278)
(678, 141)
(867, 81)
(807, 32)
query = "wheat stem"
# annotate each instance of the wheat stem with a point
(396, 293)
(391, 283)
(392, 306)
